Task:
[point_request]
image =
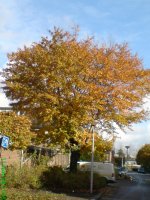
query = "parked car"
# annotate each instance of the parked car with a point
(141, 170)
(105, 169)
(122, 171)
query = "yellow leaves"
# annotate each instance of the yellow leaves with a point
(143, 156)
(17, 128)
(101, 146)
(66, 83)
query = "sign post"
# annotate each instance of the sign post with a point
(4, 143)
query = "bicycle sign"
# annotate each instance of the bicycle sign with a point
(4, 141)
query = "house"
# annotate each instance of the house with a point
(5, 109)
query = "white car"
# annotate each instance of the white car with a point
(105, 169)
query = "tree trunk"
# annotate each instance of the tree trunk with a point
(74, 158)
(75, 155)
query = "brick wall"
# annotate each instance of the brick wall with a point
(12, 157)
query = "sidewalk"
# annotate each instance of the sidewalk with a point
(86, 196)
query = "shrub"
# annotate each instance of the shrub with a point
(50, 178)
(56, 178)
(53, 177)
(26, 177)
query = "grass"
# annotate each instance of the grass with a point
(20, 194)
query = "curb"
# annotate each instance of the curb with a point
(97, 197)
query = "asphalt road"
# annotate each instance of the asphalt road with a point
(136, 189)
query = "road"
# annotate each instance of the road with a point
(137, 189)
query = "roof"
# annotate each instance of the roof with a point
(5, 108)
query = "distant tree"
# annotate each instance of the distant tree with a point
(120, 153)
(17, 128)
(120, 159)
(67, 84)
(143, 156)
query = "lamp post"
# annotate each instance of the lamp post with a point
(122, 161)
(92, 160)
(127, 147)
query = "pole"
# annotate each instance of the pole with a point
(92, 160)
(122, 161)
(127, 147)
(21, 158)
(0, 152)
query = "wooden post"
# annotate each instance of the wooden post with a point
(0, 152)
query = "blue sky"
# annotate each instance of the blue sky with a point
(25, 21)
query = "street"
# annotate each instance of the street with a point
(138, 188)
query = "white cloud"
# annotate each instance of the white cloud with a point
(4, 102)
(94, 12)
(8, 17)
(147, 103)
(21, 24)
(135, 138)
(17, 27)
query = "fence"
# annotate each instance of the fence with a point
(60, 159)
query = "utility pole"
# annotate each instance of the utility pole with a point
(127, 147)
(122, 161)
(92, 160)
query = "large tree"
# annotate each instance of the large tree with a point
(143, 157)
(67, 84)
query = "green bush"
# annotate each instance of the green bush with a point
(56, 178)
(50, 178)
(26, 177)
(81, 180)
(53, 177)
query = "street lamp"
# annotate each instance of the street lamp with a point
(92, 160)
(127, 147)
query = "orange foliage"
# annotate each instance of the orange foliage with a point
(17, 128)
(67, 84)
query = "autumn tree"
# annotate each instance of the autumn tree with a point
(120, 158)
(17, 128)
(102, 147)
(66, 84)
(143, 157)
